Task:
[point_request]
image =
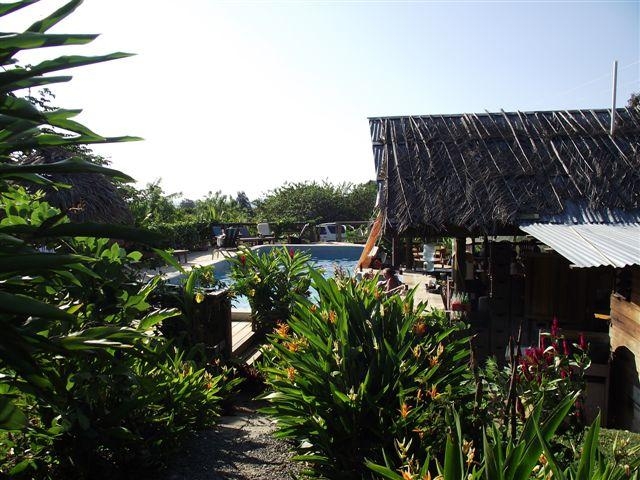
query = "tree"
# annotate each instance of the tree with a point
(317, 202)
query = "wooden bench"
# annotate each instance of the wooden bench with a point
(250, 241)
(181, 254)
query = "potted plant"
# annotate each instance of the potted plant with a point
(460, 302)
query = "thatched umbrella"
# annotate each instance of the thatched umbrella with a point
(92, 197)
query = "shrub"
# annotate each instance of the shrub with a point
(356, 369)
(271, 281)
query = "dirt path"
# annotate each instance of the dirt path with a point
(241, 446)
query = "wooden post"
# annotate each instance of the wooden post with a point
(395, 250)
(460, 265)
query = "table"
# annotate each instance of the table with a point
(181, 254)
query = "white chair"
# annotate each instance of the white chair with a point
(264, 230)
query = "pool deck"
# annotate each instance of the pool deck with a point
(241, 333)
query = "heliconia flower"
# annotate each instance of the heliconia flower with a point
(565, 347)
(563, 374)
(283, 329)
(313, 308)
(243, 260)
(404, 410)
(333, 316)
(291, 373)
(582, 341)
(291, 252)
(407, 475)
(199, 297)
(555, 327)
(420, 328)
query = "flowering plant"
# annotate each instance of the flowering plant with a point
(554, 369)
(460, 301)
(271, 281)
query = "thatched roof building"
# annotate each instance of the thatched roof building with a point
(485, 174)
(92, 196)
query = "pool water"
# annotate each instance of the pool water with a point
(324, 257)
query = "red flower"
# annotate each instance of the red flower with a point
(582, 342)
(291, 252)
(243, 260)
(565, 347)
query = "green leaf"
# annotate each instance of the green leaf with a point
(156, 317)
(23, 305)
(60, 14)
(29, 40)
(24, 263)
(72, 165)
(7, 8)
(11, 417)
(589, 450)
(385, 472)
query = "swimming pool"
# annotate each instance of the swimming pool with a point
(325, 257)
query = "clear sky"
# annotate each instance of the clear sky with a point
(247, 95)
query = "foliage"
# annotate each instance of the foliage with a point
(548, 374)
(219, 208)
(356, 369)
(84, 384)
(528, 456)
(150, 206)
(317, 202)
(271, 280)
(184, 234)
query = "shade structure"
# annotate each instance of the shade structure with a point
(591, 245)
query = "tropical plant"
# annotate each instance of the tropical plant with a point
(271, 281)
(529, 456)
(83, 382)
(354, 369)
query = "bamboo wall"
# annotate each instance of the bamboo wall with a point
(625, 345)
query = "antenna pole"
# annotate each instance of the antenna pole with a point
(613, 98)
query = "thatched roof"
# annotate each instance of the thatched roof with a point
(92, 196)
(476, 174)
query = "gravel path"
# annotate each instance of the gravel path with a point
(241, 446)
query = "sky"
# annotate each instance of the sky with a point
(247, 95)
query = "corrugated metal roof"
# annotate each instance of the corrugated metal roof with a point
(580, 213)
(591, 245)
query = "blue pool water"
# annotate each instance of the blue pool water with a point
(325, 257)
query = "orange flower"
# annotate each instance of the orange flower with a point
(283, 329)
(333, 316)
(420, 328)
(406, 475)
(291, 373)
(313, 309)
(417, 351)
(404, 410)
(433, 393)
(292, 346)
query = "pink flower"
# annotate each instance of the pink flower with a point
(565, 347)
(291, 252)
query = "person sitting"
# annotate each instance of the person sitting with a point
(390, 282)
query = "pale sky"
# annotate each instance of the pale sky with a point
(247, 95)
